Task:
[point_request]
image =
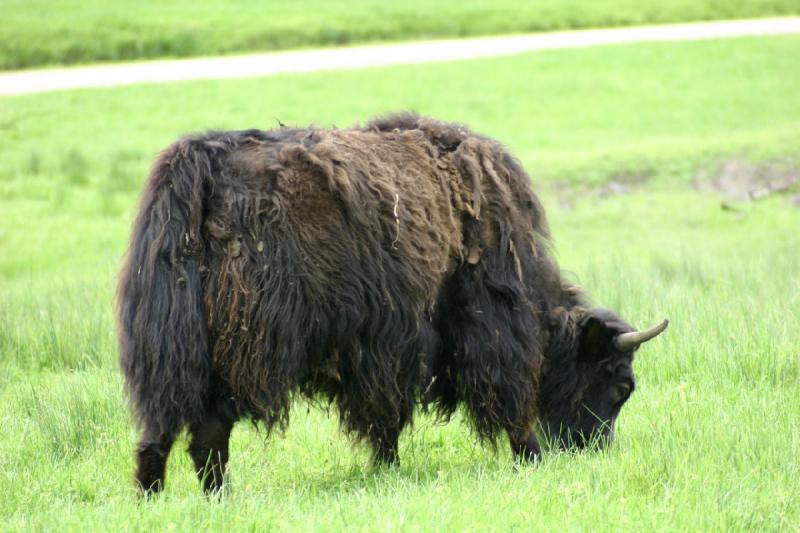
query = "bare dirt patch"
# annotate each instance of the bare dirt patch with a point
(737, 179)
(741, 180)
(618, 184)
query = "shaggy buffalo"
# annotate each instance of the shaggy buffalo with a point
(376, 267)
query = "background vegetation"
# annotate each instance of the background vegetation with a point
(640, 153)
(47, 32)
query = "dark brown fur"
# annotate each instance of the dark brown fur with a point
(376, 267)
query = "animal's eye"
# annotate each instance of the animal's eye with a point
(620, 392)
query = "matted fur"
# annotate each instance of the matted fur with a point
(381, 266)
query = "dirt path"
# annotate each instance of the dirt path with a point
(267, 64)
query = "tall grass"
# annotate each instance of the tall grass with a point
(708, 441)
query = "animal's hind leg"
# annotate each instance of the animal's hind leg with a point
(209, 449)
(151, 460)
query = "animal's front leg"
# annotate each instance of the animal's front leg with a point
(384, 446)
(525, 445)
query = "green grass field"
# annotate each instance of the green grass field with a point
(709, 441)
(45, 32)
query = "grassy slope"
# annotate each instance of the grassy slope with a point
(652, 111)
(709, 441)
(39, 32)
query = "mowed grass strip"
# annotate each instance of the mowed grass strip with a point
(42, 32)
(709, 441)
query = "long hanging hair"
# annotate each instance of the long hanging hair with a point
(406, 260)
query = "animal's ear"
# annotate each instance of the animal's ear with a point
(596, 337)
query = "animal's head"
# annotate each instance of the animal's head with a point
(588, 376)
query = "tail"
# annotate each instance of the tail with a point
(164, 352)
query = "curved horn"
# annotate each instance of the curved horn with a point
(630, 341)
